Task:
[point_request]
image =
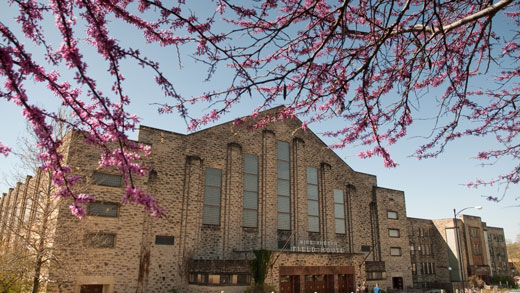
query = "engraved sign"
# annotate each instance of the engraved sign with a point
(312, 246)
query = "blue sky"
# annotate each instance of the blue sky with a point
(433, 187)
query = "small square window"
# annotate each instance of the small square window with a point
(393, 233)
(164, 240)
(392, 215)
(395, 251)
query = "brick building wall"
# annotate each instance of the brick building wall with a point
(497, 251)
(429, 255)
(123, 249)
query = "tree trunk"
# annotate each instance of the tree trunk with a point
(41, 245)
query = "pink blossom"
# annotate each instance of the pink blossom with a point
(4, 149)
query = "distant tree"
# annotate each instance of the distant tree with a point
(30, 242)
(370, 63)
(513, 252)
(13, 271)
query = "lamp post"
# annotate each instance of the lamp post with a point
(459, 251)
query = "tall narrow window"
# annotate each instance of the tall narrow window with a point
(250, 201)
(339, 211)
(313, 206)
(284, 191)
(212, 184)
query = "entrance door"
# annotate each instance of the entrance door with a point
(290, 284)
(346, 283)
(91, 289)
(397, 283)
(318, 283)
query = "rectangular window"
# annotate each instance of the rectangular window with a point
(284, 190)
(339, 211)
(107, 179)
(414, 269)
(212, 186)
(250, 200)
(313, 206)
(392, 215)
(422, 268)
(103, 209)
(474, 232)
(163, 240)
(395, 251)
(100, 240)
(393, 233)
(366, 248)
(476, 249)
(376, 275)
(213, 279)
(412, 249)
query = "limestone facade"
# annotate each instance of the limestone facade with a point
(329, 227)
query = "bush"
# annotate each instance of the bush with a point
(476, 282)
(507, 281)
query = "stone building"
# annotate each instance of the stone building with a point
(429, 255)
(228, 191)
(446, 253)
(497, 251)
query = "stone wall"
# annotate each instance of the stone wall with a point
(178, 163)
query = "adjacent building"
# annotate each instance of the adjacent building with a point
(447, 253)
(229, 190)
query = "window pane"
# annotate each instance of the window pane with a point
(312, 191)
(213, 176)
(340, 226)
(314, 224)
(312, 175)
(283, 204)
(107, 179)
(392, 215)
(212, 195)
(283, 170)
(338, 196)
(393, 232)
(250, 200)
(211, 215)
(103, 209)
(250, 182)
(284, 222)
(339, 211)
(283, 187)
(313, 208)
(251, 164)
(395, 251)
(214, 279)
(283, 150)
(249, 218)
(163, 240)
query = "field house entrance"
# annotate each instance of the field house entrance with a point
(320, 279)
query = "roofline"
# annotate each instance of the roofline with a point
(158, 129)
(421, 219)
(389, 188)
